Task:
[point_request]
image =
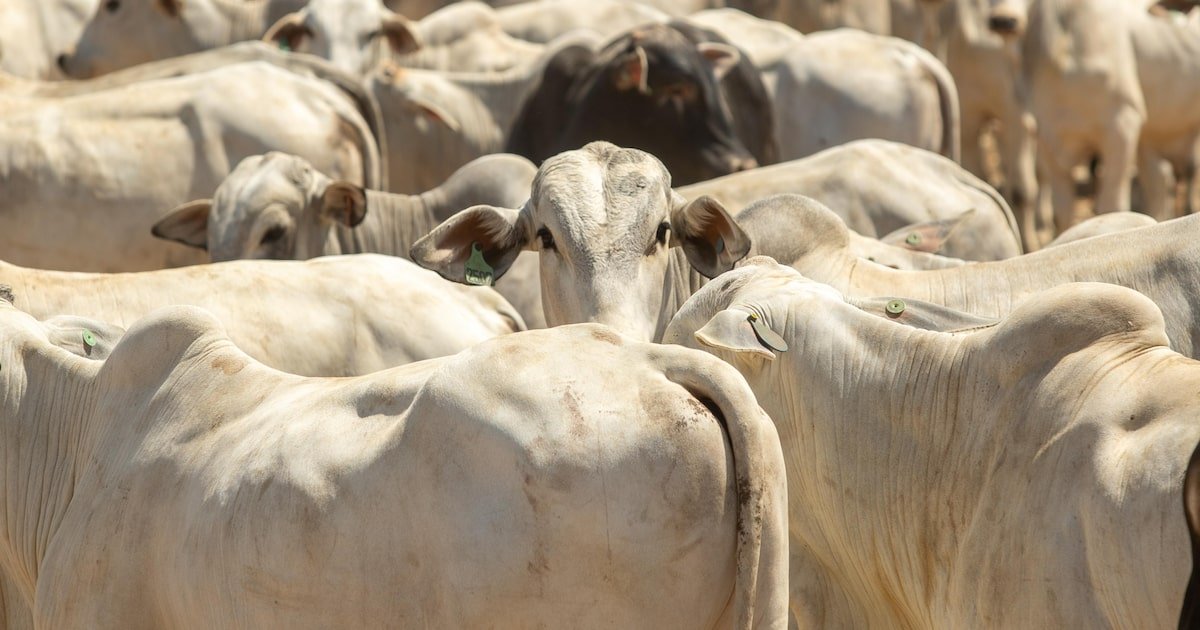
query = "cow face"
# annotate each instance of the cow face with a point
(657, 91)
(124, 33)
(602, 220)
(741, 317)
(346, 32)
(274, 206)
(1007, 18)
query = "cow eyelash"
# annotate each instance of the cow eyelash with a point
(664, 230)
(547, 239)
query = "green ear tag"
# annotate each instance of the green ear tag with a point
(89, 339)
(284, 46)
(767, 336)
(894, 307)
(478, 272)
(913, 238)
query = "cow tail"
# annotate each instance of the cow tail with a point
(759, 477)
(947, 103)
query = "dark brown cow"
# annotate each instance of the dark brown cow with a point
(675, 90)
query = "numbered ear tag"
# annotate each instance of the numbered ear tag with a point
(767, 336)
(478, 271)
(89, 339)
(913, 239)
(894, 307)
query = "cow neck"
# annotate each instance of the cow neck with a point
(248, 19)
(392, 224)
(502, 92)
(679, 283)
(45, 446)
(875, 426)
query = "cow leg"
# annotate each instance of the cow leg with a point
(1118, 152)
(973, 121)
(1055, 172)
(1157, 200)
(1018, 149)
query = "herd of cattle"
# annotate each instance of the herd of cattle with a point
(598, 313)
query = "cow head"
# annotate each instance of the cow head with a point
(124, 33)
(1007, 18)
(602, 220)
(346, 32)
(656, 90)
(274, 206)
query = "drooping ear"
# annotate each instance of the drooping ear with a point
(432, 111)
(921, 314)
(632, 71)
(731, 329)
(345, 203)
(288, 32)
(401, 33)
(171, 7)
(721, 57)
(187, 224)
(927, 236)
(711, 239)
(475, 246)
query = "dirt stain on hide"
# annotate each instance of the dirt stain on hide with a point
(576, 421)
(228, 365)
(607, 336)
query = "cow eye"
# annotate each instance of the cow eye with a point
(273, 234)
(112, 5)
(547, 239)
(682, 91)
(664, 230)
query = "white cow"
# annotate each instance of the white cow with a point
(1158, 260)
(357, 35)
(1107, 79)
(332, 316)
(542, 21)
(549, 479)
(278, 206)
(765, 42)
(1026, 475)
(610, 235)
(837, 86)
(1103, 224)
(790, 226)
(34, 32)
(124, 33)
(85, 177)
(354, 35)
(878, 187)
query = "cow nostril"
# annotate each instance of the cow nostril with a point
(62, 62)
(1002, 24)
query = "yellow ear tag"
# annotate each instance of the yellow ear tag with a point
(478, 271)
(768, 337)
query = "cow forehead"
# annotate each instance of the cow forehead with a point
(344, 14)
(601, 195)
(256, 183)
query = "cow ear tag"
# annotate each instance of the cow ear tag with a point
(478, 271)
(894, 307)
(765, 335)
(89, 339)
(284, 46)
(913, 238)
